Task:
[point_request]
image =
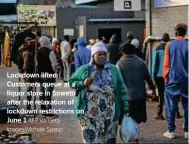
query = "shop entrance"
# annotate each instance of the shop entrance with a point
(108, 32)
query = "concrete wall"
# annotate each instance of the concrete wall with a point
(67, 17)
(164, 19)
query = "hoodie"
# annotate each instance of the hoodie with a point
(157, 61)
(113, 50)
(82, 55)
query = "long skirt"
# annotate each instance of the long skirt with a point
(97, 123)
(137, 110)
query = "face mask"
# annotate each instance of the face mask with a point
(101, 60)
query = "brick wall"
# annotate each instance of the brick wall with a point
(164, 19)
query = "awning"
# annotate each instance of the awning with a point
(116, 20)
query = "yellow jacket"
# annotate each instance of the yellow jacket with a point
(7, 51)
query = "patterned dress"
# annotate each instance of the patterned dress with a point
(96, 123)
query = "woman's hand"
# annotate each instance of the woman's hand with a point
(88, 81)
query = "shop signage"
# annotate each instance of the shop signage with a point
(127, 5)
(45, 15)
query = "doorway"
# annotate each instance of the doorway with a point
(108, 32)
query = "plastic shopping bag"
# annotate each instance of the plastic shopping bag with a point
(129, 130)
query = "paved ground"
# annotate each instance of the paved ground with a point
(151, 131)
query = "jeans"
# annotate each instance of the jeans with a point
(29, 97)
(171, 103)
(46, 93)
(67, 70)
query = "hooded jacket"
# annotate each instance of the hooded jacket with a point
(157, 61)
(113, 50)
(82, 55)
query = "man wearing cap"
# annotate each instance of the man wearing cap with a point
(135, 73)
(175, 73)
(26, 63)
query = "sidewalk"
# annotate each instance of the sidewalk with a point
(151, 132)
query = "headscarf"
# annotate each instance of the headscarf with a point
(55, 40)
(44, 42)
(98, 47)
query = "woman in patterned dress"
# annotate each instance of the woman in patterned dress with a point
(100, 90)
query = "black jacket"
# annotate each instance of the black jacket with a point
(44, 63)
(139, 53)
(113, 50)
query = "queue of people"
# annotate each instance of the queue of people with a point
(109, 80)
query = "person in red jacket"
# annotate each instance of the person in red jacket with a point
(175, 73)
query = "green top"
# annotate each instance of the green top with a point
(120, 92)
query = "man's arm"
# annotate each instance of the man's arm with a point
(53, 60)
(148, 79)
(26, 61)
(166, 63)
(151, 83)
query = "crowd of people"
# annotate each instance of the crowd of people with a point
(109, 79)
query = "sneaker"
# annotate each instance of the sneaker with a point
(170, 135)
(186, 135)
(159, 117)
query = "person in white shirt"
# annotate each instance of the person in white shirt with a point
(66, 51)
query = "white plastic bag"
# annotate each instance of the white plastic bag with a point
(129, 130)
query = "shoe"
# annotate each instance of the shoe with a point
(159, 117)
(186, 135)
(170, 135)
